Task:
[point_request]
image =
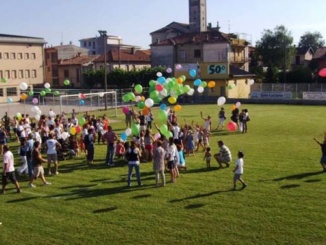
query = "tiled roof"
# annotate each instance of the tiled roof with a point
(16, 36)
(302, 51)
(201, 37)
(79, 60)
(126, 55)
(170, 27)
(320, 53)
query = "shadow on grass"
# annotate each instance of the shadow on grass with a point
(199, 196)
(201, 170)
(193, 206)
(104, 210)
(22, 199)
(78, 186)
(299, 176)
(312, 180)
(289, 186)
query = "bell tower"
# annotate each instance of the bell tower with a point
(197, 16)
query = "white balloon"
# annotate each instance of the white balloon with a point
(128, 131)
(38, 112)
(200, 89)
(51, 114)
(164, 92)
(159, 74)
(64, 135)
(80, 95)
(191, 92)
(221, 101)
(238, 104)
(149, 102)
(23, 86)
(37, 117)
(137, 98)
(47, 85)
(251, 81)
(101, 94)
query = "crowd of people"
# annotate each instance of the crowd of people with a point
(64, 137)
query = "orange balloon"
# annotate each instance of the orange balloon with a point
(145, 111)
(177, 107)
(142, 98)
(180, 80)
(233, 107)
(211, 84)
(23, 96)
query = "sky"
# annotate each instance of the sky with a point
(133, 20)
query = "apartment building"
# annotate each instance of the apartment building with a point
(21, 60)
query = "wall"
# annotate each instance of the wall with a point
(162, 56)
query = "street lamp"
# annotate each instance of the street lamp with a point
(104, 36)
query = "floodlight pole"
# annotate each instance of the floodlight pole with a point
(103, 34)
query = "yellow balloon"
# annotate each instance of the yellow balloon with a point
(177, 107)
(211, 84)
(172, 100)
(180, 80)
(73, 130)
(23, 96)
(142, 98)
(233, 107)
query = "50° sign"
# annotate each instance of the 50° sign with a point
(216, 69)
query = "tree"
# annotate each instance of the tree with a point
(311, 39)
(276, 49)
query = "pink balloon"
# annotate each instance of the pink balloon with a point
(168, 70)
(232, 126)
(322, 72)
(157, 136)
(35, 101)
(159, 87)
(125, 109)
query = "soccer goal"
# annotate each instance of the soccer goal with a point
(89, 102)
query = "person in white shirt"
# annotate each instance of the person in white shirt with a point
(171, 155)
(238, 171)
(52, 145)
(8, 170)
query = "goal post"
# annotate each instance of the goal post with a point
(89, 101)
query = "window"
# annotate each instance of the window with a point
(5, 56)
(0, 56)
(89, 44)
(13, 74)
(13, 56)
(85, 44)
(54, 71)
(7, 74)
(20, 74)
(12, 91)
(94, 45)
(33, 56)
(1, 92)
(55, 82)
(47, 56)
(20, 56)
(197, 53)
(182, 54)
(77, 76)
(54, 57)
(27, 74)
(26, 56)
(1, 74)
(34, 74)
(66, 73)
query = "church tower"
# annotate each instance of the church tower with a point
(197, 16)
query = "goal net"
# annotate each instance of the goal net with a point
(89, 102)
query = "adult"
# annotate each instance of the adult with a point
(128, 118)
(133, 156)
(221, 119)
(159, 163)
(29, 146)
(323, 151)
(224, 156)
(52, 156)
(110, 137)
(3, 139)
(8, 170)
(6, 122)
(38, 168)
(22, 152)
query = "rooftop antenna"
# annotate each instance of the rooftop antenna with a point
(61, 38)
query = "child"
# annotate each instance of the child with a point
(238, 171)
(120, 149)
(208, 157)
(205, 134)
(221, 119)
(181, 160)
(190, 146)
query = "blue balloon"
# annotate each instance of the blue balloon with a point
(163, 107)
(82, 102)
(197, 82)
(192, 72)
(123, 136)
(161, 80)
(9, 100)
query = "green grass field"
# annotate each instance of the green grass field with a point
(283, 203)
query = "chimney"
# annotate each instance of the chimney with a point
(70, 42)
(61, 43)
(209, 25)
(218, 26)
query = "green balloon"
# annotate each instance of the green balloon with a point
(141, 104)
(66, 82)
(126, 97)
(230, 87)
(154, 94)
(138, 88)
(203, 84)
(56, 93)
(42, 93)
(164, 129)
(152, 83)
(171, 84)
(81, 121)
(157, 100)
(31, 93)
(186, 88)
(135, 129)
(48, 90)
(132, 96)
(168, 134)
(163, 116)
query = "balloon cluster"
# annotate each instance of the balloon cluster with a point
(47, 90)
(81, 97)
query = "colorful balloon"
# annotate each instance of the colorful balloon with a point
(192, 72)
(47, 85)
(238, 104)
(35, 101)
(168, 70)
(56, 93)
(232, 126)
(163, 116)
(31, 93)
(221, 101)
(211, 84)
(149, 102)
(163, 128)
(138, 89)
(23, 86)
(177, 107)
(135, 129)
(81, 102)
(172, 100)
(42, 93)
(66, 82)
(141, 104)
(73, 131)
(23, 96)
(125, 109)
(197, 82)
(9, 100)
